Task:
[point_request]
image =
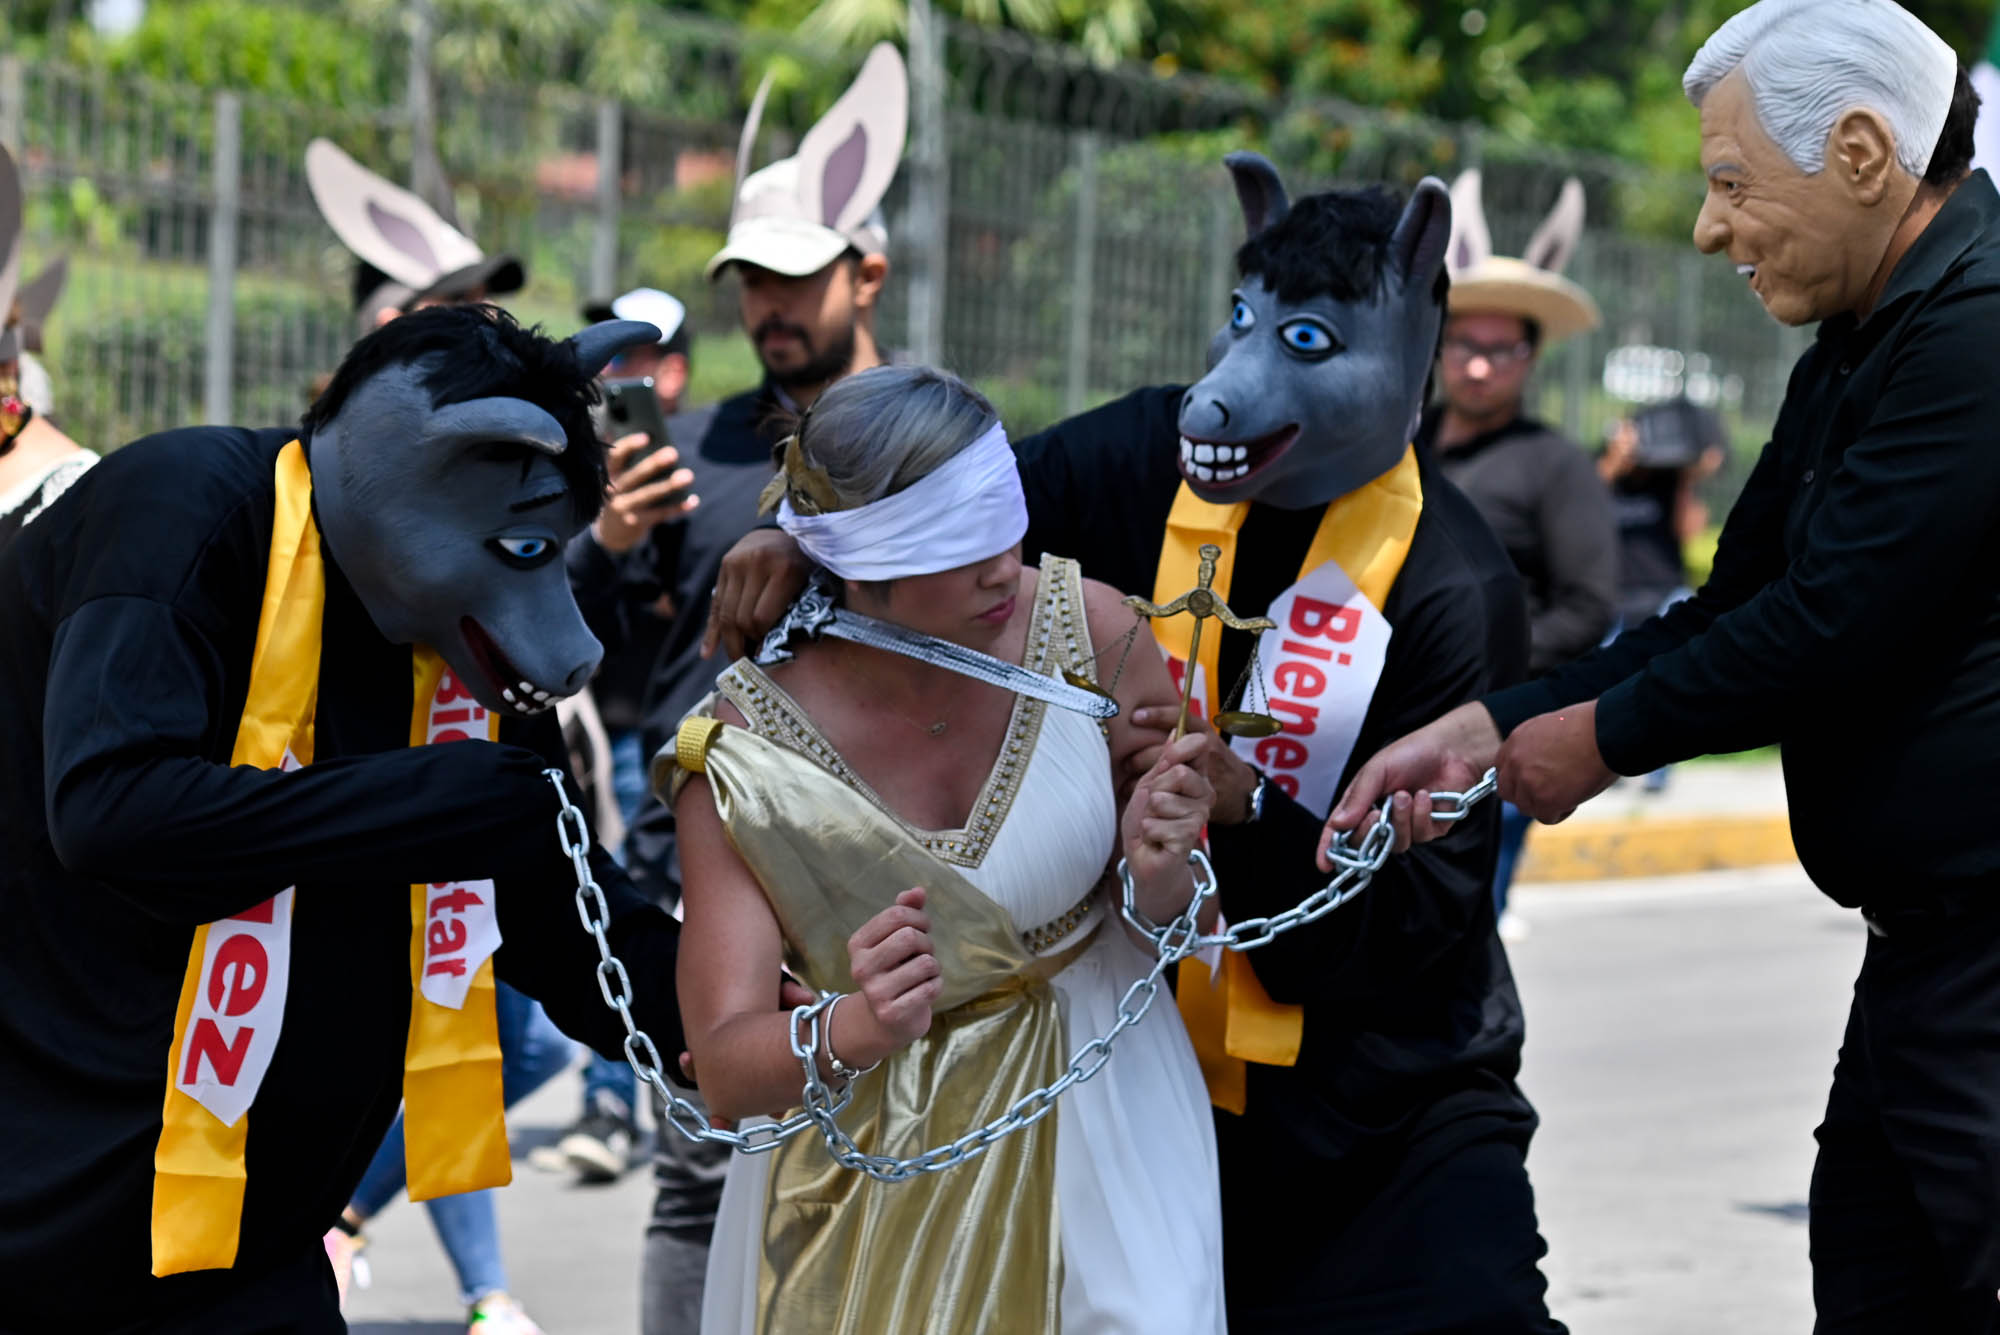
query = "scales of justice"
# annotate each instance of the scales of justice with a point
(1202, 603)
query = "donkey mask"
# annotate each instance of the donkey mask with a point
(1309, 399)
(448, 512)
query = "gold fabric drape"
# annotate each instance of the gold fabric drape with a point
(974, 1250)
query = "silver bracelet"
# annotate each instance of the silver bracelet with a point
(841, 1070)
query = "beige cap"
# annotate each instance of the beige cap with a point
(800, 214)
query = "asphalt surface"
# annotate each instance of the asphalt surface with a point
(1681, 1033)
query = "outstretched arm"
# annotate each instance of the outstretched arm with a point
(1450, 647)
(546, 952)
(131, 715)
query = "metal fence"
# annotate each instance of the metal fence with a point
(1061, 232)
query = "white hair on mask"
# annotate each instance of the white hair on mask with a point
(1810, 62)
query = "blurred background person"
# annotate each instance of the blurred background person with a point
(37, 462)
(1654, 461)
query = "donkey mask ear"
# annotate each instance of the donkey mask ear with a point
(10, 232)
(846, 161)
(599, 343)
(1422, 234)
(1471, 242)
(39, 295)
(1554, 243)
(1258, 190)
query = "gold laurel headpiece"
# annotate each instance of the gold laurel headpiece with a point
(811, 490)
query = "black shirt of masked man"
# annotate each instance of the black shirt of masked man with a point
(130, 610)
(1400, 1122)
(1853, 617)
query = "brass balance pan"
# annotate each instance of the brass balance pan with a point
(1083, 683)
(1242, 723)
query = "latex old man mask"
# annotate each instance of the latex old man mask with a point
(452, 459)
(1814, 148)
(1315, 383)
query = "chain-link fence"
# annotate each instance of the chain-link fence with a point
(1068, 236)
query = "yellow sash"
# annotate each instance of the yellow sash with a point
(1231, 1019)
(453, 1058)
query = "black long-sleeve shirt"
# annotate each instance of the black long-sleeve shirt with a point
(130, 610)
(1853, 614)
(1409, 1002)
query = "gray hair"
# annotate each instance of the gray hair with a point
(1810, 62)
(878, 431)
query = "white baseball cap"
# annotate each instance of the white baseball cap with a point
(663, 310)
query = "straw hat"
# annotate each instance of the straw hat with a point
(800, 214)
(1531, 287)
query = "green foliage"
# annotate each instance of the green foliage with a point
(248, 46)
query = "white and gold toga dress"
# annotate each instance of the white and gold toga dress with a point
(1101, 1218)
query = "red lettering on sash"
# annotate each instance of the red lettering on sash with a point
(1303, 716)
(1288, 784)
(238, 978)
(447, 935)
(1298, 678)
(451, 716)
(225, 1058)
(1294, 647)
(1281, 752)
(256, 912)
(450, 735)
(1312, 617)
(450, 689)
(456, 968)
(458, 901)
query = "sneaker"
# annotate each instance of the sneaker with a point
(1513, 927)
(499, 1314)
(600, 1145)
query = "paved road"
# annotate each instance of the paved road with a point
(1680, 1037)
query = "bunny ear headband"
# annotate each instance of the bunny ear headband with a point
(390, 228)
(1531, 287)
(801, 214)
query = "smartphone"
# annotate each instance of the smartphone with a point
(631, 405)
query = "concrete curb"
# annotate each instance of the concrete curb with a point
(1604, 850)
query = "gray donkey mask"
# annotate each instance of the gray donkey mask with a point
(1310, 398)
(447, 501)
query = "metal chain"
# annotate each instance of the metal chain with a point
(1355, 868)
(616, 985)
(1180, 938)
(1173, 942)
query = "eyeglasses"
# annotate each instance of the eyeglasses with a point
(1459, 351)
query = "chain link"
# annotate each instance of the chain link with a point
(1174, 943)
(1356, 865)
(616, 986)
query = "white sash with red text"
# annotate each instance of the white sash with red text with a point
(1317, 674)
(461, 929)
